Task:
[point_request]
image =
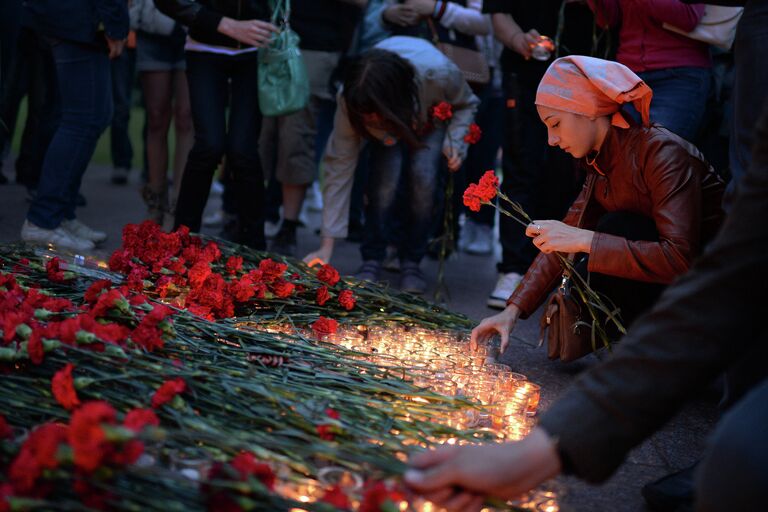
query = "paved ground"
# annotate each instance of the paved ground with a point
(469, 279)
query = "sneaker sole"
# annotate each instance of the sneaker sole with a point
(496, 303)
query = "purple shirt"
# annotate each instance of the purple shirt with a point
(644, 45)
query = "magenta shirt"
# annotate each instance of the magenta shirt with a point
(643, 44)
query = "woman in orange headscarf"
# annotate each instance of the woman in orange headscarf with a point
(649, 203)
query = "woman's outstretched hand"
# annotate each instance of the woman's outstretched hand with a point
(501, 323)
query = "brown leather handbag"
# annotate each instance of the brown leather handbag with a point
(568, 334)
(470, 62)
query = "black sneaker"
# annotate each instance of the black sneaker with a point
(671, 493)
(412, 280)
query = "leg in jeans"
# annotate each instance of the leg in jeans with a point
(183, 129)
(384, 168)
(421, 185)
(732, 475)
(208, 93)
(243, 152)
(679, 98)
(86, 109)
(123, 68)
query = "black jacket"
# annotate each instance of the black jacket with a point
(709, 321)
(79, 20)
(203, 17)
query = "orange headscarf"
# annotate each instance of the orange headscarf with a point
(593, 87)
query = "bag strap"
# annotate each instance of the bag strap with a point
(435, 37)
(281, 11)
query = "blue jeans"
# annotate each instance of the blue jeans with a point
(217, 84)
(85, 88)
(123, 76)
(421, 179)
(679, 98)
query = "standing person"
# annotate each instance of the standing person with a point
(676, 67)
(387, 100)
(649, 204)
(82, 52)
(123, 77)
(222, 71)
(541, 179)
(161, 65)
(288, 143)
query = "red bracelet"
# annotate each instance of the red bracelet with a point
(441, 11)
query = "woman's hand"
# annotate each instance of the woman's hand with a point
(256, 33)
(323, 254)
(555, 236)
(401, 14)
(501, 323)
(460, 477)
(453, 158)
(523, 42)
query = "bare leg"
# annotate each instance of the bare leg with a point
(157, 87)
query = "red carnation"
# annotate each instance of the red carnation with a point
(199, 272)
(38, 452)
(109, 300)
(271, 270)
(323, 327)
(87, 437)
(488, 185)
(35, 347)
(322, 295)
(167, 391)
(328, 274)
(471, 199)
(473, 134)
(137, 419)
(63, 388)
(54, 270)
(376, 497)
(347, 300)
(282, 288)
(95, 290)
(326, 431)
(234, 264)
(246, 464)
(336, 497)
(443, 111)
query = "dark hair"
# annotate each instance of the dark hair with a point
(382, 82)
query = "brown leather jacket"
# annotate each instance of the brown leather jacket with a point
(652, 172)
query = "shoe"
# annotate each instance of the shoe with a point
(314, 199)
(370, 270)
(271, 229)
(217, 188)
(671, 493)
(80, 200)
(59, 238)
(413, 280)
(80, 230)
(119, 175)
(391, 260)
(482, 245)
(466, 235)
(504, 288)
(214, 219)
(285, 240)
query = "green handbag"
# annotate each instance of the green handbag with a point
(283, 81)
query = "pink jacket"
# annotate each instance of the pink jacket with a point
(643, 44)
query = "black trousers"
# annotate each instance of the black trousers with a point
(227, 120)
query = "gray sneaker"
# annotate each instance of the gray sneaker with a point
(412, 280)
(120, 175)
(370, 270)
(482, 244)
(506, 284)
(80, 230)
(60, 238)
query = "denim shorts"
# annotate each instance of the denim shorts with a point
(160, 53)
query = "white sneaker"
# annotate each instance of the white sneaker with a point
(506, 284)
(271, 228)
(80, 230)
(314, 199)
(466, 235)
(483, 242)
(217, 188)
(59, 237)
(213, 219)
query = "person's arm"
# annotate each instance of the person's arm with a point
(509, 33)
(469, 20)
(193, 14)
(546, 270)
(113, 14)
(680, 15)
(700, 325)
(607, 12)
(465, 104)
(676, 199)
